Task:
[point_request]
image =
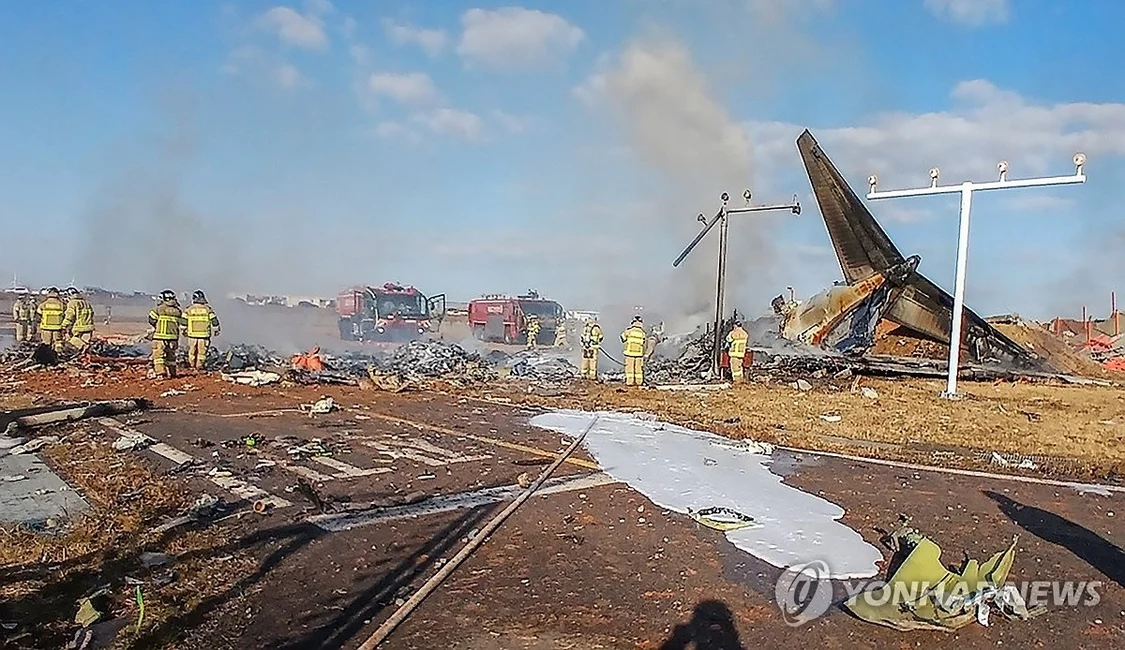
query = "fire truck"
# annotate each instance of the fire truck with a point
(391, 313)
(503, 319)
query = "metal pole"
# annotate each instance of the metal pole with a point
(966, 189)
(720, 294)
(1114, 314)
(959, 291)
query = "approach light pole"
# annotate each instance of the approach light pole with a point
(966, 190)
(722, 218)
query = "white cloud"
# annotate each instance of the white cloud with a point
(287, 76)
(511, 123)
(295, 29)
(432, 41)
(319, 7)
(361, 54)
(407, 88)
(452, 122)
(970, 12)
(391, 130)
(898, 213)
(514, 37)
(1038, 202)
(348, 27)
(254, 63)
(984, 124)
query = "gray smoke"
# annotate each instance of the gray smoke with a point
(692, 150)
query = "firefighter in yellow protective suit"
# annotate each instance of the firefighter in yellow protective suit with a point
(202, 324)
(78, 320)
(22, 312)
(736, 350)
(634, 338)
(591, 345)
(165, 320)
(560, 334)
(51, 312)
(533, 327)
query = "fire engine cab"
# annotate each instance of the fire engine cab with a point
(391, 313)
(503, 319)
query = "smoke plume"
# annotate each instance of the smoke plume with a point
(692, 150)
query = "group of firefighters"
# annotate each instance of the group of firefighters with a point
(56, 322)
(198, 323)
(635, 342)
(70, 324)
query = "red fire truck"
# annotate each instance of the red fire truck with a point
(391, 313)
(504, 319)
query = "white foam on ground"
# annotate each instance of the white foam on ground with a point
(680, 469)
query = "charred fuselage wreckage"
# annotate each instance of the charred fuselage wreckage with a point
(879, 283)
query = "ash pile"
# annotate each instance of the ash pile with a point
(686, 358)
(433, 360)
(548, 367)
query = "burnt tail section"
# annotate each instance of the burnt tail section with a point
(864, 249)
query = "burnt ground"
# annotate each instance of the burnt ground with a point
(594, 567)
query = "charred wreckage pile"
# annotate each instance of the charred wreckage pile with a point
(397, 368)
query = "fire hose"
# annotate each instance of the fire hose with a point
(607, 356)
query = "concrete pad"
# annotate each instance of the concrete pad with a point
(40, 496)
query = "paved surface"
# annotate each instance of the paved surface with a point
(590, 564)
(31, 494)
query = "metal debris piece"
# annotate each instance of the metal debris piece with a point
(721, 518)
(252, 377)
(924, 595)
(33, 445)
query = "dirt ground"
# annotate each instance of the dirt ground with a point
(396, 484)
(595, 567)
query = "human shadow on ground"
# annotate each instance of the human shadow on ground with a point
(1049, 527)
(711, 628)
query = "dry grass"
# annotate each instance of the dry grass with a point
(44, 574)
(1083, 426)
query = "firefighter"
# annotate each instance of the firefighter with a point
(532, 331)
(736, 350)
(78, 320)
(108, 314)
(560, 334)
(33, 329)
(591, 345)
(654, 339)
(165, 320)
(51, 312)
(21, 316)
(202, 324)
(633, 339)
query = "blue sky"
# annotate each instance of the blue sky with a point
(468, 147)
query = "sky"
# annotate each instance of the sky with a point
(471, 148)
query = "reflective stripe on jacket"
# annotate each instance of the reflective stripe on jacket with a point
(79, 316)
(166, 321)
(51, 313)
(634, 339)
(737, 340)
(201, 321)
(592, 335)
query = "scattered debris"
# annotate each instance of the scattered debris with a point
(25, 419)
(320, 407)
(923, 594)
(1012, 460)
(252, 377)
(33, 445)
(721, 518)
(132, 441)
